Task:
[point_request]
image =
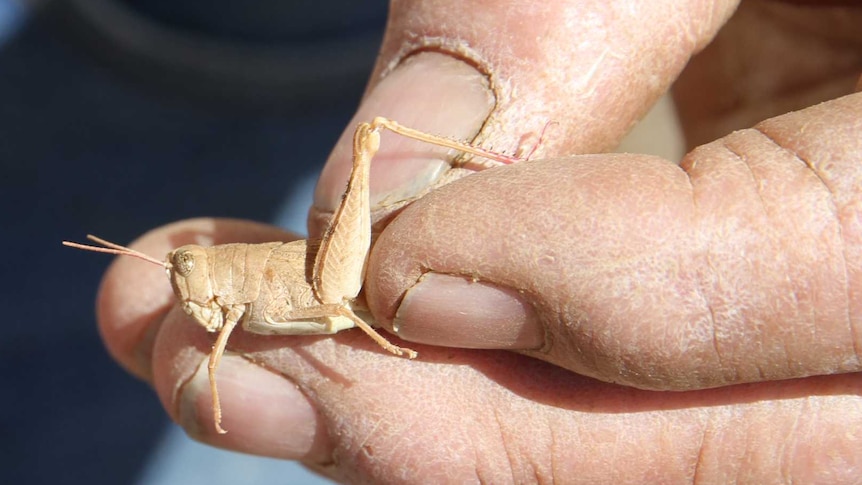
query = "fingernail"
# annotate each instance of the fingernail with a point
(263, 413)
(431, 92)
(454, 311)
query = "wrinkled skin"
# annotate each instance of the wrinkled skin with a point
(734, 280)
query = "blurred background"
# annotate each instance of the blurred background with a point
(121, 115)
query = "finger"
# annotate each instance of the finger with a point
(135, 297)
(770, 58)
(745, 265)
(358, 415)
(499, 73)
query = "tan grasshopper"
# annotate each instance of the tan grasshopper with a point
(306, 287)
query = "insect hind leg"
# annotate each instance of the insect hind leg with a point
(497, 158)
(329, 310)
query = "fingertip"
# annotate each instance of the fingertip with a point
(133, 299)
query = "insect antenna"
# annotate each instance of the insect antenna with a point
(113, 248)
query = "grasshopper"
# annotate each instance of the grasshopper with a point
(305, 287)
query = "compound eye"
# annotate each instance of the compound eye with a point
(184, 262)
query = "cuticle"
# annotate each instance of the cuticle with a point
(470, 60)
(400, 301)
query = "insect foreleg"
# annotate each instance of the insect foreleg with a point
(231, 318)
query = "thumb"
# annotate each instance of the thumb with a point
(497, 73)
(744, 264)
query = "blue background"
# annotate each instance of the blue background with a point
(118, 116)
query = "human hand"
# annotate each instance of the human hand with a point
(744, 268)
